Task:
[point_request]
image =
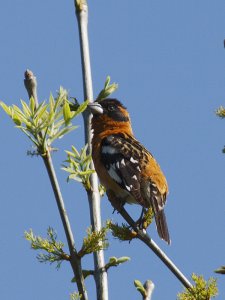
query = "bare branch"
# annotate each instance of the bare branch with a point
(93, 194)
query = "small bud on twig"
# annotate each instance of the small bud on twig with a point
(30, 83)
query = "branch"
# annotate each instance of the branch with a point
(93, 194)
(144, 237)
(31, 86)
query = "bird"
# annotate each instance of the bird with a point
(127, 170)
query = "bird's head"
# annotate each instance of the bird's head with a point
(109, 114)
(112, 108)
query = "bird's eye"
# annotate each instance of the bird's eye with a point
(111, 107)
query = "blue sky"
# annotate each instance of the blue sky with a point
(169, 61)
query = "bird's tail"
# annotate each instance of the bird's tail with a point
(161, 226)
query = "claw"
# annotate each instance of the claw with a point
(141, 220)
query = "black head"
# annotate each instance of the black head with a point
(112, 108)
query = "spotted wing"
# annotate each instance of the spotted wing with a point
(121, 156)
(121, 160)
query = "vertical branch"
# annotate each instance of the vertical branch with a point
(75, 261)
(93, 195)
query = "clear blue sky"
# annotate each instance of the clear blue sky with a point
(169, 61)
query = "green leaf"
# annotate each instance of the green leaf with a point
(29, 136)
(107, 90)
(75, 177)
(16, 109)
(6, 108)
(70, 153)
(114, 261)
(107, 82)
(51, 118)
(67, 113)
(51, 103)
(32, 105)
(83, 152)
(88, 172)
(16, 119)
(139, 286)
(26, 109)
(61, 133)
(40, 110)
(123, 259)
(61, 98)
(80, 109)
(18, 114)
(86, 161)
(75, 151)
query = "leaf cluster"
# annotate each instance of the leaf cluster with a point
(44, 123)
(54, 249)
(123, 232)
(202, 290)
(107, 90)
(220, 112)
(94, 241)
(79, 166)
(75, 296)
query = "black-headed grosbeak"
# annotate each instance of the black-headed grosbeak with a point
(128, 171)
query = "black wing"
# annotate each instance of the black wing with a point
(121, 156)
(122, 163)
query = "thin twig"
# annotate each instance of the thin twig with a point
(31, 86)
(93, 195)
(144, 237)
(75, 260)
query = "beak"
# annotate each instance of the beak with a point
(95, 108)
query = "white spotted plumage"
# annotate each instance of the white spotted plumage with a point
(112, 172)
(133, 160)
(122, 169)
